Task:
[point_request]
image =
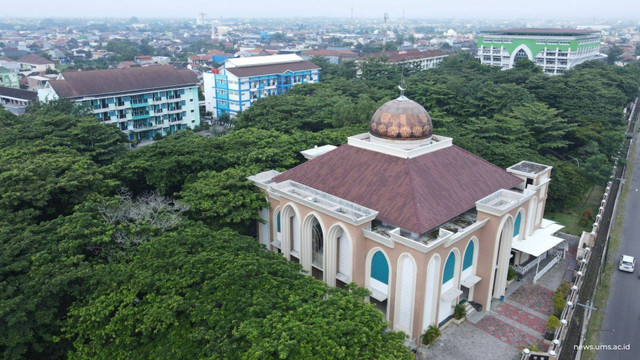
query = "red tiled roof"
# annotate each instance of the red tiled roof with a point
(272, 68)
(217, 53)
(35, 60)
(339, 53)
(95, 82)
(396, 56)
(415, 194)
(124, 64)
(200, 58)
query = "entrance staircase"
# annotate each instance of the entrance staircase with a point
(470, 309)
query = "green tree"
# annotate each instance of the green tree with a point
(102, 143)
(597, 170)
(547, 128)
(224, 199)
(165, 166)
(614, 53)
(198, 293)
(46, 182)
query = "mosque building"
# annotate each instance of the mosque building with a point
(421, 223)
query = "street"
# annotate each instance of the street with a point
(621, 323)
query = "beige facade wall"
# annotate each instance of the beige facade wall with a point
(362, 248)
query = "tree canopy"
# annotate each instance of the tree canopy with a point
(114, 253)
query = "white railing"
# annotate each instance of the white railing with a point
(556, 259)
(525, 269)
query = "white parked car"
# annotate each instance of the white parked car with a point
(627, 263)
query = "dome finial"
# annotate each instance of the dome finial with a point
(403, 85)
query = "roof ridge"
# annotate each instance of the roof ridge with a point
(486, 161)
(409, 162)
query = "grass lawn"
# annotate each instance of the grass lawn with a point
(570, 218)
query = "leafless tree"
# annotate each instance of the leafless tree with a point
(148, 209)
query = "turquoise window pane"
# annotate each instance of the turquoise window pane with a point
(278, 220)
(516, 225)
(380, 268)
(468, 256)
(449, 268)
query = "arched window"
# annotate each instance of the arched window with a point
(521, 54)
(264, 226)
(278, 221)
(294, 234)
(449, 268)
(380, 268)
(468, 256)
(317, 244)
(405, 293)
(344, 255)
(516, 225)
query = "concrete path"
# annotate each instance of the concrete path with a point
(510, 326)
(465, 342)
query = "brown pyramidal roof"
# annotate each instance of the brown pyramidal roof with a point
(414, 194)
(97, 82)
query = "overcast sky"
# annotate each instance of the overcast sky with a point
(583, 9)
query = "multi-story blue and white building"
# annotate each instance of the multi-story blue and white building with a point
(141, 101)
(241, 81)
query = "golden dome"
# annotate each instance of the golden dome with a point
(401, 119)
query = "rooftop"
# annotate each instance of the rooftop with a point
(533, 31)
(397, 56)
(98, 82)
(339, 53)
(18, 93)
(35, 60)
(262, 60)
(528, 167)
(259, 70)
(415, 194)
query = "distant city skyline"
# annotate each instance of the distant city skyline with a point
(541, 9)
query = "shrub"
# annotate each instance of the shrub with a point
(534, 348)
(559, 302)
(512, 274)
(564, 289)
(430, 335)
(587, 217)
(553, 323)
(459, 311)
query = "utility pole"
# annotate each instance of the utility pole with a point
(384, 35)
